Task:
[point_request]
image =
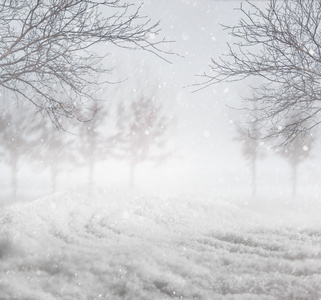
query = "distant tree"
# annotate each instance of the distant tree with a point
(142, 128)
(250, 150)
(15, 139)
(295, 153)
(52, 149)
(95, 142)
(279, 42)
(47, 49)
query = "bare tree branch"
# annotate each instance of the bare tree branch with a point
(281, 44)
(46, 48)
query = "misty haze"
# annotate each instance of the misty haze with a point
(160, 149)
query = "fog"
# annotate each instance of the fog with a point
(205, 155)
(157, 191)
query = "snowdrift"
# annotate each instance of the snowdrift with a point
(131, 246)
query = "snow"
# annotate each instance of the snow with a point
(126, 245)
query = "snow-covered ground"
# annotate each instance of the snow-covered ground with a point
(117, 245)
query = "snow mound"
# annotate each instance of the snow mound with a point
(134, 246)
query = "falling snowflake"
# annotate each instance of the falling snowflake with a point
(206, 134)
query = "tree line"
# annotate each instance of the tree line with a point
(252, 148)
(49, 58)
(138, 134)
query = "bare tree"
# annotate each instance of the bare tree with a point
(95, 142)
(52, 149)
(15, 140)
(250, 150)
(142, 130)
(47, 49)
(279, 42)
(295, 153)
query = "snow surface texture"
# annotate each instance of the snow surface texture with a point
(120, 246)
